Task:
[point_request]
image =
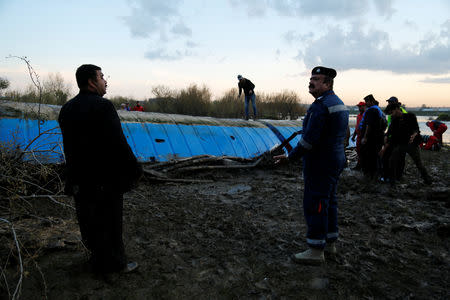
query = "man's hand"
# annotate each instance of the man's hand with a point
(383, 149)
(364, 141)
(413, 136)
(280, 158)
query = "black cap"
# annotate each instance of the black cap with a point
(324, 71)
(369, 98)
(392, 100)
(391, 107)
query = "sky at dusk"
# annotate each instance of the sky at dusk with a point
(381, 47)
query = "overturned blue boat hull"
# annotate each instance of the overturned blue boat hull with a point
(156, 137)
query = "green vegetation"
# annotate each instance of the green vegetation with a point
(193, 100)
(54, 91)
(198, 101)
(4, 84)
(443, 117)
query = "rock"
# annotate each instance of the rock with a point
(239, 188)
(319, 283)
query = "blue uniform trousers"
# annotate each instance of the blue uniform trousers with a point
(320, 202)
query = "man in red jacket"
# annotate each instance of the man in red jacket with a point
(138, 107)
(434, 142)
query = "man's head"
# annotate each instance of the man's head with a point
(361, 106)
(370, 100)
(392, 100)
(90, 78)
(239, 77)
(393, 109)
(321, 80)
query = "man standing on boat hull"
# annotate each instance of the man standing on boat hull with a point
(322, 147)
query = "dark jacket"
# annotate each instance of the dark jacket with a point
(247, 85)
(402, 128)
(324, 132)
(96, 150)
(376, 119)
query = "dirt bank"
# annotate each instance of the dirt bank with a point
(232, 238)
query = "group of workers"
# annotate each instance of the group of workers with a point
(137, 107)
(382, 143)
(101, 167)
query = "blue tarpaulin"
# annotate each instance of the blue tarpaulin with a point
(163, 138)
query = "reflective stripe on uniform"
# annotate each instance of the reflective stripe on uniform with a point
(332, 235)
(315, 242)
(305, 144)
(337, 108)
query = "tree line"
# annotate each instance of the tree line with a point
(194, 100)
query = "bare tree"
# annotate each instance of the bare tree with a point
(55, 90)
(4, 84)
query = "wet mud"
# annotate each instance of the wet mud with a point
(233, 239)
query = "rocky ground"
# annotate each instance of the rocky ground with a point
(232, 238)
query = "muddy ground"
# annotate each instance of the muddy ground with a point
(232, 238)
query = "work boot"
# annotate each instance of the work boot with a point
(130, 267)
(310, 256)
(331, 248)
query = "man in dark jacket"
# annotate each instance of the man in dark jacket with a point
(322, 148)
(403, 136)
(248, 87)
(372, 127)
(100, 167)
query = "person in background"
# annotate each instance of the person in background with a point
(249, 93)
(434, 142)
(138, 107)
(127, 106)
(100, 166)
(394, 100)
(357, 133)
(384, 172)
(403, 136)
(322, 148)
(372, 127)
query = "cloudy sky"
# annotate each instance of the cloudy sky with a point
(384, 47)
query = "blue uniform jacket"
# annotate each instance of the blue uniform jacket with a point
(324, 132)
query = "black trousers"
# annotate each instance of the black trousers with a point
(397, 161)
(370, 161)
(99, 212)
(386, 171)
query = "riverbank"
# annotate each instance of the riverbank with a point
(233, 237)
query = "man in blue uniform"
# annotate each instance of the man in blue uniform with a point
(322, 147)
